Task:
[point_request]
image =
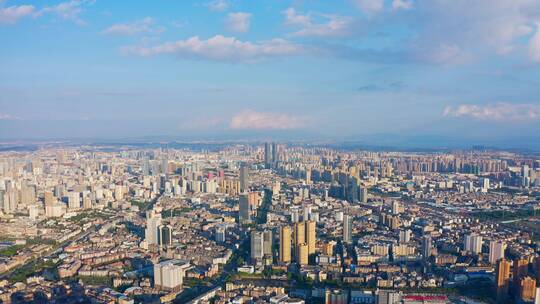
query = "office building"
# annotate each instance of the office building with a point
(244, 214)
(244, 177)
(153, 221)
(165, 236)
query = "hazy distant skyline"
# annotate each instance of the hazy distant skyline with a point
(454, 69)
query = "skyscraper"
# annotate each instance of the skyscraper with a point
(164, 235)
(275, 154)
(347, 228)
(502, 279)
(267, 154)
(244, 177)
(153, 221)
(311, 236)
(257, 245)
(426, 247)
(285, 244)
(268, 243)
(299, 233)
(244, 214)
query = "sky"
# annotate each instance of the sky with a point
(456, 70)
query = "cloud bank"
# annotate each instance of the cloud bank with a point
(253, 120)
(495, 112)
(221, 48)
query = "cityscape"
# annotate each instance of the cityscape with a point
(268, 223)
(270, 151)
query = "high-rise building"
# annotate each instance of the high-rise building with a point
(165, 166)
(285, 244)
(145, 167)
(275, 153)
(244, 213)
(244, 177)
(153, 221)
(396, 208)
(49, 198)
(426, 247)
(299, 233)
(496, 251)
(267, 154)
(405, 236)
(311, 236)
(519, 270)
(268, 243)
(502, 279)
(256, 245)
(388, 297)
(302, 254)
(328, 248)
(472, 243)
(170, 274)
(347, 228)
(165, 235)
(527, 289)
(220, 235)
(271, 154)
(363, 197)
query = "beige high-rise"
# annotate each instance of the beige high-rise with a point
(303, 254)
(299, 233)
(48, 198)
(285, 244)
(311, 237)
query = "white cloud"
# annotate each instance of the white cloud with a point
(11, 14)
(497, 27)
(253, 120)
(69, 10)
(534, 45)
(495, 112)
(221, 48)
(238, 22)
(369, 6)
(334, 26)
(402, 4)
(145, 25)
(445, 54)
(8, 117)
(218, 5)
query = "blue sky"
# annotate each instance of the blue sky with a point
(333, 69)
